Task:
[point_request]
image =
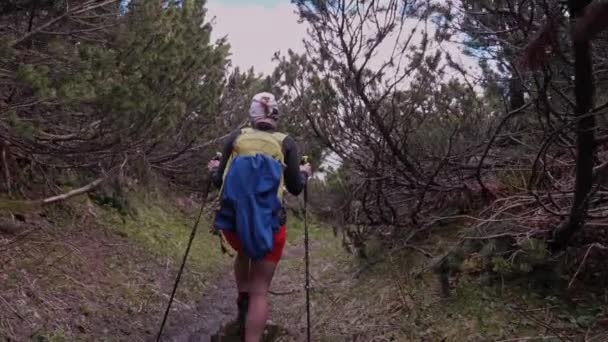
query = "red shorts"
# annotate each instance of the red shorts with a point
(277, 248)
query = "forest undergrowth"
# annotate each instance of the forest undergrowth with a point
(99, 268)
(462, 144)
(393, 296)
(91, 271)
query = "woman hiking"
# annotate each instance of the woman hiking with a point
(256, 164)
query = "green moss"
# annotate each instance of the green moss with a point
(514, 180)
(316, 231)
(56, 336)
(18, 207)
(164, 231)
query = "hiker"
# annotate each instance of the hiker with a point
(256, 164)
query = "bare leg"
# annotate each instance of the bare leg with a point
(259, 284)
(241, 272)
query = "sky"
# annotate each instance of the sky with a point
(256, 29)
(265, 3)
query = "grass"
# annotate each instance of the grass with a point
(386, 303)
(322, 243)
(164, 231)
(105, 278)
(10, 206)
(95, 273)
(316, 232)
(57, 336)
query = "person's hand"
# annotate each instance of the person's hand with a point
(306, 169)
(213, 165)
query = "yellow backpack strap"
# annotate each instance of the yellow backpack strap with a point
(261, 141)
(279, 138)
(228, 163)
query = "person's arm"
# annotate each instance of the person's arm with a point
(294, 179)
(218, 175)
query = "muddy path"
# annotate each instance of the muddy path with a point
(215, 308)
(215, 312)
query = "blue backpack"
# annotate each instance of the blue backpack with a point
(250, 200)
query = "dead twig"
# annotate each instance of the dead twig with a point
(580, 267)
(7, 173)
(74, 192)
(420, 250)
(284, 293)
(11, 308)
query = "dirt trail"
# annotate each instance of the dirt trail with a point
(217, 307)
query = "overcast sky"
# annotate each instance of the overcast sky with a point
(256, 29)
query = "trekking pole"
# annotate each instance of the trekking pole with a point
(306, 256)
(181, 268)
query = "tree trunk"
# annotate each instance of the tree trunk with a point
(516, 93)
(584, 93)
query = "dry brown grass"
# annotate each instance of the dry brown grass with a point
(88, 275)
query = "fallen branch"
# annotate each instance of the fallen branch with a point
(11, 308)
(25, 207)
(7, 173)
(283, 293)
(580, 267)
(188, 307)
(73, 193)
(19, 236)
(420, 250)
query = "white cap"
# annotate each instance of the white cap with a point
(264, 109)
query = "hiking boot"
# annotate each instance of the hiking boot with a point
(242, 305)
